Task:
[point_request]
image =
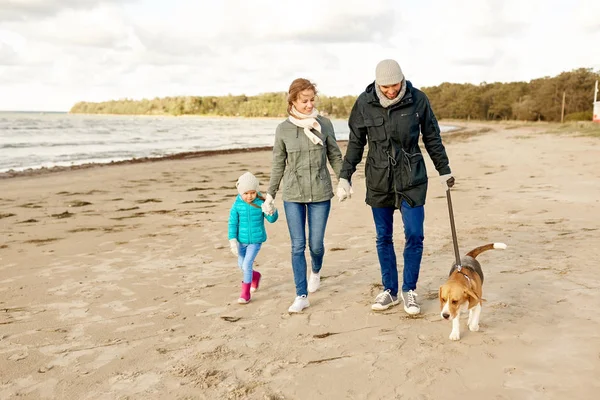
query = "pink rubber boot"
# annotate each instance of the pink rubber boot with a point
(255, 281)
(245, 295)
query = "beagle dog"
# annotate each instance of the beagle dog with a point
(463, 290)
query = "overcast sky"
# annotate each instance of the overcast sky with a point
(54, 53)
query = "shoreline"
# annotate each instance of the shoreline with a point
(205, 116)
(457, 129)
(177, 156)
(461, 130)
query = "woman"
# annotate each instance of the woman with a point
(303, 144)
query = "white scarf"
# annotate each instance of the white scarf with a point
(308, 122)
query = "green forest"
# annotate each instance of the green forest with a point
(538, 100)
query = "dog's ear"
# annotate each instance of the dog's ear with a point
(473, 298)
(440, 297)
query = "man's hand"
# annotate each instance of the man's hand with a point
(344, 190)
(447, 181)
(268, 207)
(233, 246)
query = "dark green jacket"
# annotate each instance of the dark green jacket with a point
(395, 168)
(302, 164)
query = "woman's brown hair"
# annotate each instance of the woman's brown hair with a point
(297, 86)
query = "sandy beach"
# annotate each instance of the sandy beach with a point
(116, 282)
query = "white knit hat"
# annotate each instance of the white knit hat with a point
(247, 182)
(388, 73)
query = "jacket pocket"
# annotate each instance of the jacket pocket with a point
(293, 144)
(292, 189)
(408, 123)
(377, 176)
(412, 170)
(324, 187)
(376, 129)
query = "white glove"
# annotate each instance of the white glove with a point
(447, 181)
(233, 246)
(268, 207)
(344, 190)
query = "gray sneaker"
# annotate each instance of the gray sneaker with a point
(384, 300)
(410, 303)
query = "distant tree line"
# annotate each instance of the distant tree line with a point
(262, 105)
(540, 99)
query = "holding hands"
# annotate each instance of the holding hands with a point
(268, 207)
(344, 190)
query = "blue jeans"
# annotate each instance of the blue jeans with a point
(246, 255)
(413, 219)
(295, 214)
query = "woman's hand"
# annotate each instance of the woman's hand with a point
(268, 207)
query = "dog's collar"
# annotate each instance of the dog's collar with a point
(466, 276)
(459, 269)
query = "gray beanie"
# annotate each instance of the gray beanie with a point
(388, 73)
(247, 182)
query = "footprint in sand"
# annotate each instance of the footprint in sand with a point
(30, 205)
(148, 201)
(78, 203)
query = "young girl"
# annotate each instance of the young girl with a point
(247, 231)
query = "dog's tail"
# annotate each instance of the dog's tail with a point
(477, 251)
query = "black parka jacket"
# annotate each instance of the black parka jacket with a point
(394, 168)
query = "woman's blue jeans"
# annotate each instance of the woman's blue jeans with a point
(413, 219)
(296, 215)
(246, 255)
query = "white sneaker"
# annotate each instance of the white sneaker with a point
(314, 281)
(299, 304)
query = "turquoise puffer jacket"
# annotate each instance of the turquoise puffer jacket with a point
(247, 223)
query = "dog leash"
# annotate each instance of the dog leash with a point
(454, 239)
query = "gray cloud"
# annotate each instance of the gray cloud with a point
(592, 28)
(473, 60)
(98, 38)
(24, 10)
(162, 45)
(16, 74)
(105, 27)
(349, 29)
(500, 29)
(8, 56)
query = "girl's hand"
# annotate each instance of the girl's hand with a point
(233, 246)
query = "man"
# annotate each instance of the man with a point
(389, 116)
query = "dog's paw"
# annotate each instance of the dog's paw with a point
(454, 335)
(473, 327)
